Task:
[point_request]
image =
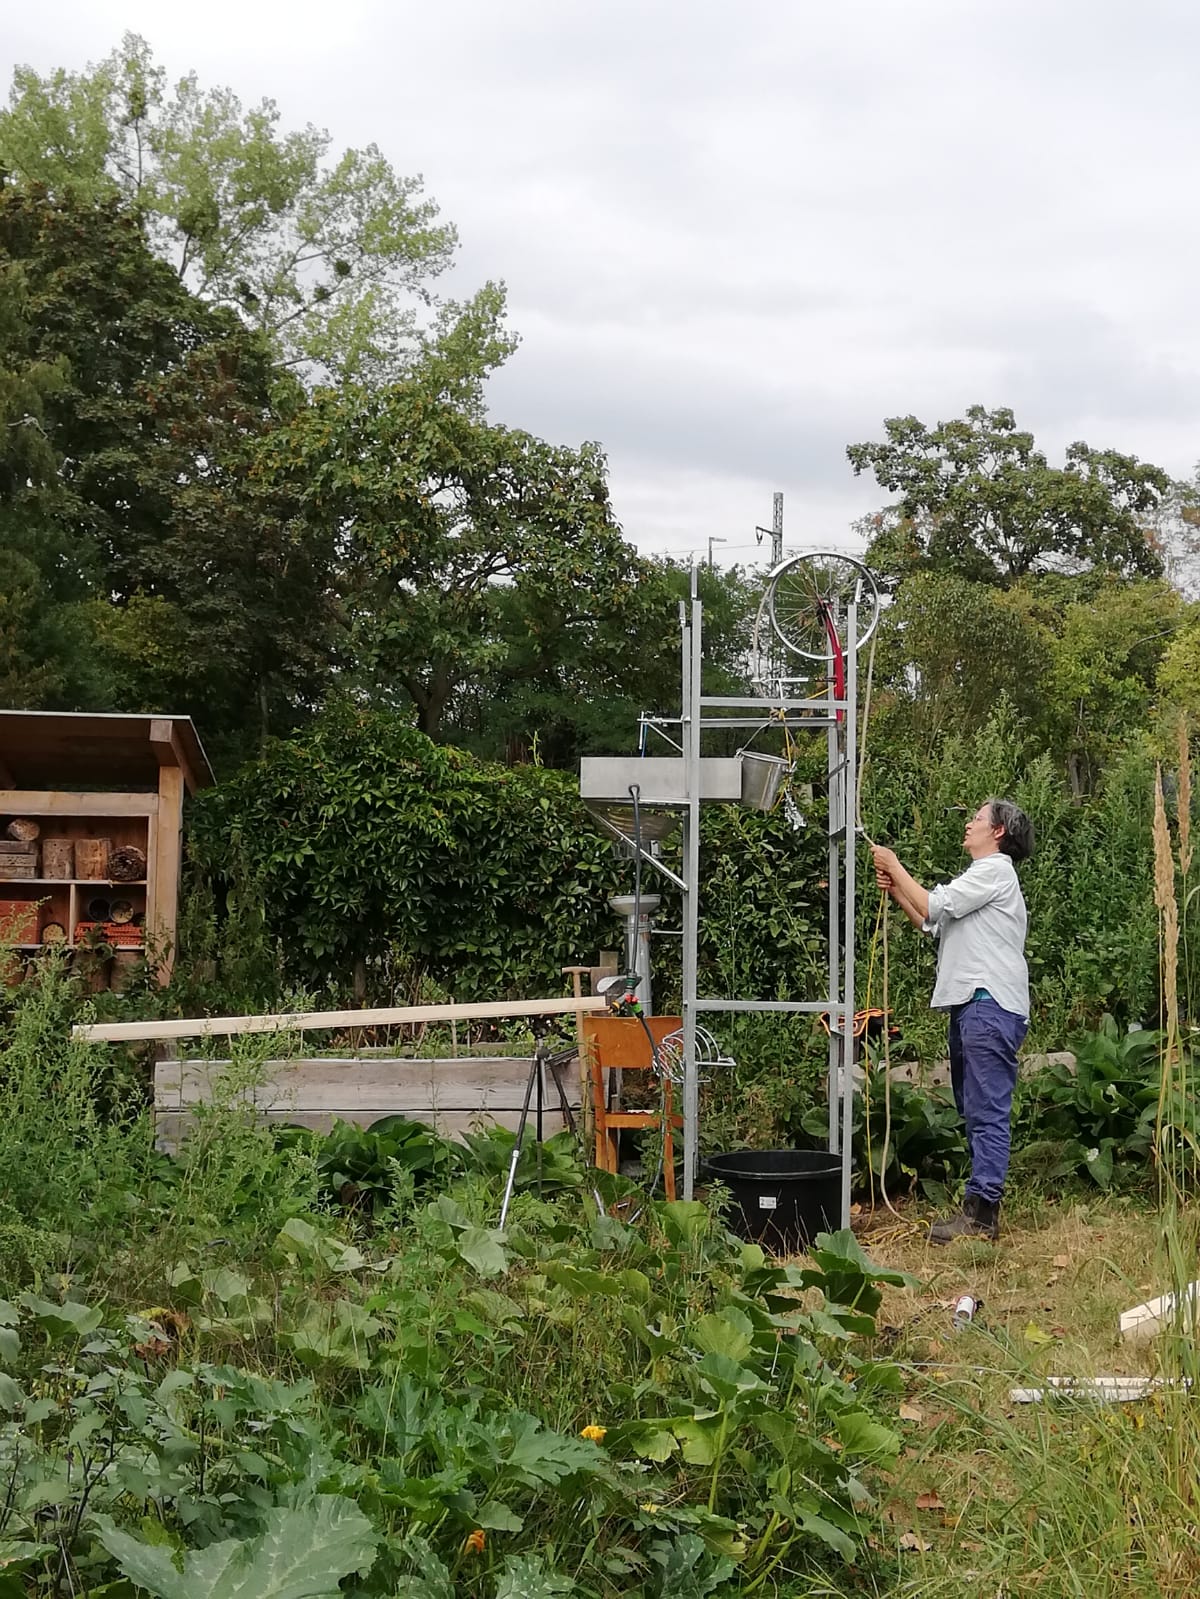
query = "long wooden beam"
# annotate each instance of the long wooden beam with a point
(308, 1021)
(57, 802)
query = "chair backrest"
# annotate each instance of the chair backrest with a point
(619, 1043)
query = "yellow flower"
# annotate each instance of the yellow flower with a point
(649, 1508)
(476, 1542)
(596, 1434)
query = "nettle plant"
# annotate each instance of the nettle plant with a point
(570, 1407)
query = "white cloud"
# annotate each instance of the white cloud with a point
(738, 236)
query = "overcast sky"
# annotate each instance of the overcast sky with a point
(737, 236)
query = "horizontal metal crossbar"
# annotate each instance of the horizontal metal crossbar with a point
(764, 722)
(741, 703)
(811, 1006)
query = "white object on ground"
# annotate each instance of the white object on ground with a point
(1112, 1390)
(1156, 1315)
(964, 1311)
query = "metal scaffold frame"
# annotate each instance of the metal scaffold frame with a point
(701, 713)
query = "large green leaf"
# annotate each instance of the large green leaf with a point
(481, 1249)
(688, 1570)
(301, 1240)
(864, 1439)
(647, 1440)
(728, 1332)
(846, 1275)
(65, 1320)
(727, 1379)
(538, 1455)
(582, 1284)
(526, 1577)
(432, 1580)
(684, 1220)
(301, 1554)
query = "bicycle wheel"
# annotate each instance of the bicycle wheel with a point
(808, 598)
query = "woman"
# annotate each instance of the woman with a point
(979, 922)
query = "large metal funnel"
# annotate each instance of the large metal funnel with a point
(617, 822)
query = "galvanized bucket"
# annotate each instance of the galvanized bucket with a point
(762, 778)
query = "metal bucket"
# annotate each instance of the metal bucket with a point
(762, 778)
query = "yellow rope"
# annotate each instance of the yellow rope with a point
(884, 917)
(879, 919)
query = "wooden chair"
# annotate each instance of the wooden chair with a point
(619, 1043)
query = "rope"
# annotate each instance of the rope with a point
(881, 924)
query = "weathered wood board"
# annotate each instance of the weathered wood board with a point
(452, 1096)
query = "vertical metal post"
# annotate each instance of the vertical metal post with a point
(776, 531)
(848, 921)
(833, 872)
(693, 660)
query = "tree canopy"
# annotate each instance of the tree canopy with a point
(333, 257)
(151, 565)
(977, 498)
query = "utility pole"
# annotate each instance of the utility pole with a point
(775, 530)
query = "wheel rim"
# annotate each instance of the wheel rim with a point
(809, 595)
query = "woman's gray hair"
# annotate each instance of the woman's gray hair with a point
(1017, 839)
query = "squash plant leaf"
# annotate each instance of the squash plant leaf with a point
(300, 1554)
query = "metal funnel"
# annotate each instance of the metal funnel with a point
(617, 822)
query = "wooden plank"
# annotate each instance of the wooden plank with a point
(172, 1127)
(53, 802)
(169, 750)
(309, 1021)
(621, 1041)
(437, 1085)
(162, 909)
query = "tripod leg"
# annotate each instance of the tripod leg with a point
(534, 1072)
(564, 1103)
(539, 1066)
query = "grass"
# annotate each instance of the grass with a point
(993, 1500)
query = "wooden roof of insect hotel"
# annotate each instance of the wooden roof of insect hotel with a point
(80, 749)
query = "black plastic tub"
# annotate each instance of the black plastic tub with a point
(781, 1198)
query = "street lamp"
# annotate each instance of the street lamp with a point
(714, 538)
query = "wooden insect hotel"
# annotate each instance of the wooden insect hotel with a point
(91, 823)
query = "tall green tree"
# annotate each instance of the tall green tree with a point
(950, 651)
(977, 498)
(588, 678)
(475, 560)
(333, 257)
(1106, 660)
(150, 565)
